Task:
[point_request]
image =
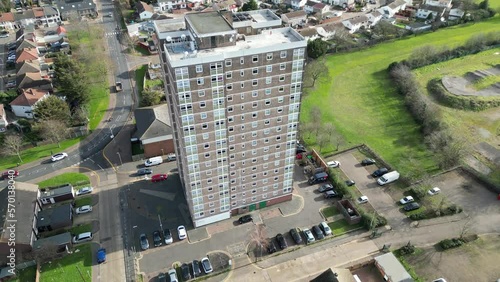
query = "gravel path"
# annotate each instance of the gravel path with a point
(461, 85)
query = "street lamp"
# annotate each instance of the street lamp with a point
(162, 153)
(120, 156)
(111, 131)
(133, 244)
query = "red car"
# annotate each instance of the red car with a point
(14, 174)
(158, 177)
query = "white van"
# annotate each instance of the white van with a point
(82, 237)
(388, 178)
(153, 161)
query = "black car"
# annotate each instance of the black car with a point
(281, 241)
(186, 274)
(367, 162)
(379, 172)
(332, 194)
(411, 206)
(144, 171)
(300, 149)
(317, 231)
(349, 182)
(157, 238)
(296, 236)
(196, 268)
(325, 187)
(271, 247)
(162, 277)
(245, 219)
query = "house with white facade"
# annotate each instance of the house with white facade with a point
(144, 10)
(390, 10)
(356, 23)
(374, 17)
(25, 103)
(456, 14)
(7, 21)
(439, 3)
(309, 6)
(3, 119)
(342, 3)
(294, 19)
(321, 9)
(298, 4)
(309, 33)
(166, 5)
(425, 12)
(328, 31)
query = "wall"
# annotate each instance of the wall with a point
(154, 149)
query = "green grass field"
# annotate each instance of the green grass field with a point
(75, 266)
(330, 211)
(140, 72)
(73, 178)
(25, 275)
(341, 226)
(363, 105)
(83, 201)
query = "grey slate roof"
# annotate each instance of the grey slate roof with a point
(66, 6)
(393, 268)
(57, 240)
(152, 122)
(54, 216)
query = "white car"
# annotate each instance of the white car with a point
(181, 231)
(84, 209)
(406, 200)
(309, 236)
(84, 190)
(58, 157)
(362, 200)
(207, 266)
(172, 275)
(333, 164)
(434, 191)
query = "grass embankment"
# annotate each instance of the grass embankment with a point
(363, 105)
(73, 178)
(75, 266)
(140, 72)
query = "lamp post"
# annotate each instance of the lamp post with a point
(120, 156)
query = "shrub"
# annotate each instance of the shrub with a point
(450, 210)
(419, 216)
(373, 220)
(407, 249)
(451, 243)
(418, 192)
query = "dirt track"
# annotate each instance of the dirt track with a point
(462, 85)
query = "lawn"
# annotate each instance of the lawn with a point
(26, 274)
(73, 267)
(140, 73)
(341, 226)
(81, 229)
(98, 104)
(83, 201)
(73, 178)
(330, 211)
(363, 105)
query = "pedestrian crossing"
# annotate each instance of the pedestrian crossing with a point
(112, 33)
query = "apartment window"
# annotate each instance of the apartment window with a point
(280, 110)
(229, 75)
(242, 60)
(229, 98)
(267, 131)
(242, 73)
(204, 126)
(264, 166)
(230, 109)
(255, 124)
(268, 102)
(206, 146)
(282, 78)
(267, 112)
(200, 80)
(230, 129)
(199, 68)
(283, 54)
(229, 62)
(255, 94)
(203, 104)
(269, 80)
(254, 115)
(203, 115)
(254, 134)
(212, 211)
(208, 164)
(254, 176)
(255, 104)
(255, 59)
(242, 96)
(254, 143)
(231, 138)
(281, 89)
(201, 93)
(242, 107)
(269, 56)
(266, 149)
(254, 161)
(278, 129)
(269, 68)
(242, 85)
(210, 197)
(242, 127)
(276, 178)
(232, 157)
(266, 140)
(234, 204)
(230, 119)
(207, 155)
(231, 148)
(282, 66)
(267, 122)
(280, 99)
(255, 82)
(268, 91)
(278, 138)
(205, 136)
(229, 86)
(255, 71)
(279, 119)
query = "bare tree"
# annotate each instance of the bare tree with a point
(53, 130)
(322, 140)
(12, 145)
(466, 227)
(315, 116)
(259, 237)
(317, 71)
(306, 129)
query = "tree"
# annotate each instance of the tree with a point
(250, 6)
(485, 4)
(53, 130)
(71, 81)
(52, 108)
(80, 116)
(259, 237)
(150, 97)
(12, 145)
(316, 48)
(7, 96)
(322, 140)
(5, 6)
(315, 116)
(317, 70)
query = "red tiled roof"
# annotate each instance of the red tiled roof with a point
(38, 12)
(60, 30)
(29, 97)
(27, 54)
(7, 17)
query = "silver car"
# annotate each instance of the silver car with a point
(144, 242)
(309, 236)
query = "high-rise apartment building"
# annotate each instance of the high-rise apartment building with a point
(233, 84)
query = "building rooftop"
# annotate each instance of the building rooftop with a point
(393, 268)
(152, 122)
(54, 216)
(54, 192)
(208, 24)
(56, 240)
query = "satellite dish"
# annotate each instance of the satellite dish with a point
(183, 36)
(169, 39)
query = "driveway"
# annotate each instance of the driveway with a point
(367, 185)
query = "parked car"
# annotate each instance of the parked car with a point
(367, 162)
(13, 173)
(349, 183)
(362, 200)
(157, 238)
(168, 236)
(4, 35)
(296, 236)
(325, 187)
(332, 194)
(379, 172)
(101, 255)
(271, 247)
(83, 237)
(162, 277)
(84, 190)
(196, 268)
(172, 274)
(58, 157)
(144, 242)
(406, 200)
(333, 164)
(309, 236)
(439, 280)
(317, 231)
(434, 191)
(281, 241)
(300, 149)
(325, 228)
(186, 274)
(411, 206)
(171, 157)
(207, 266)
(10, 84)
(84, 209)
(159, 177)
(245, 219)
(181, 231)
(144, 171)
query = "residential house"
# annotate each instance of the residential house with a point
(430, 12)
(26, 54)
(342, 3)
(3, 119)
(154, 130)
(26, 44)
(309, 6)
(297, 4)
(25, 18)
(374, 17)
(24, 104)
(34, 80)
(334, 275)
(391, 269)
(144, 10)
(46, 16)
(52, 195)
(61, 243)
(439, 3)
(356, 23)
(418, 26)
(390, 10)
(7, 21)
(309, 33)
(320, 10)
(295, 18)
(76, 8)
(456, 14)
(166, 5)
(26, 33)
(225, 5)
(26, 210)
(54, 218)
(328, 31)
